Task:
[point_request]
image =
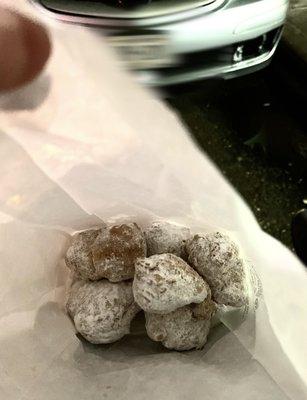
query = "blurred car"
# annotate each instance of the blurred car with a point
(175, 41)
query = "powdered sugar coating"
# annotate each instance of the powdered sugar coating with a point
(79, 257)
(102, 311)
(115, 251)
(165, 282)
(206, 309)
(183, 329)
(108, 252)
(164, 237)
(216, 258)
(77, 293)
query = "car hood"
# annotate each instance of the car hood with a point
(126, 9)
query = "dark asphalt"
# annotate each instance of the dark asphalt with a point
(255, 129)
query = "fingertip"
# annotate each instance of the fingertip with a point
(24, 48)
(38, 48)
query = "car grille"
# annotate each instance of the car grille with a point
(126, 9)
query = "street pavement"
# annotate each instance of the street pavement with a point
(295, 33)
(255, 129)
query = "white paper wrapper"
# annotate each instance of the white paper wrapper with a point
(84, 143)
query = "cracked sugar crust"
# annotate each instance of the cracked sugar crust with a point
(79, 257)
(108, 252)
(164, 237)
(102, 311)
(163, 283)
(216, 258)
(186, 328)
(116, 250)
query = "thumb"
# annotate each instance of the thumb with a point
(24, 49)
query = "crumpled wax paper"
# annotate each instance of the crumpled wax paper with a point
(81, 144)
